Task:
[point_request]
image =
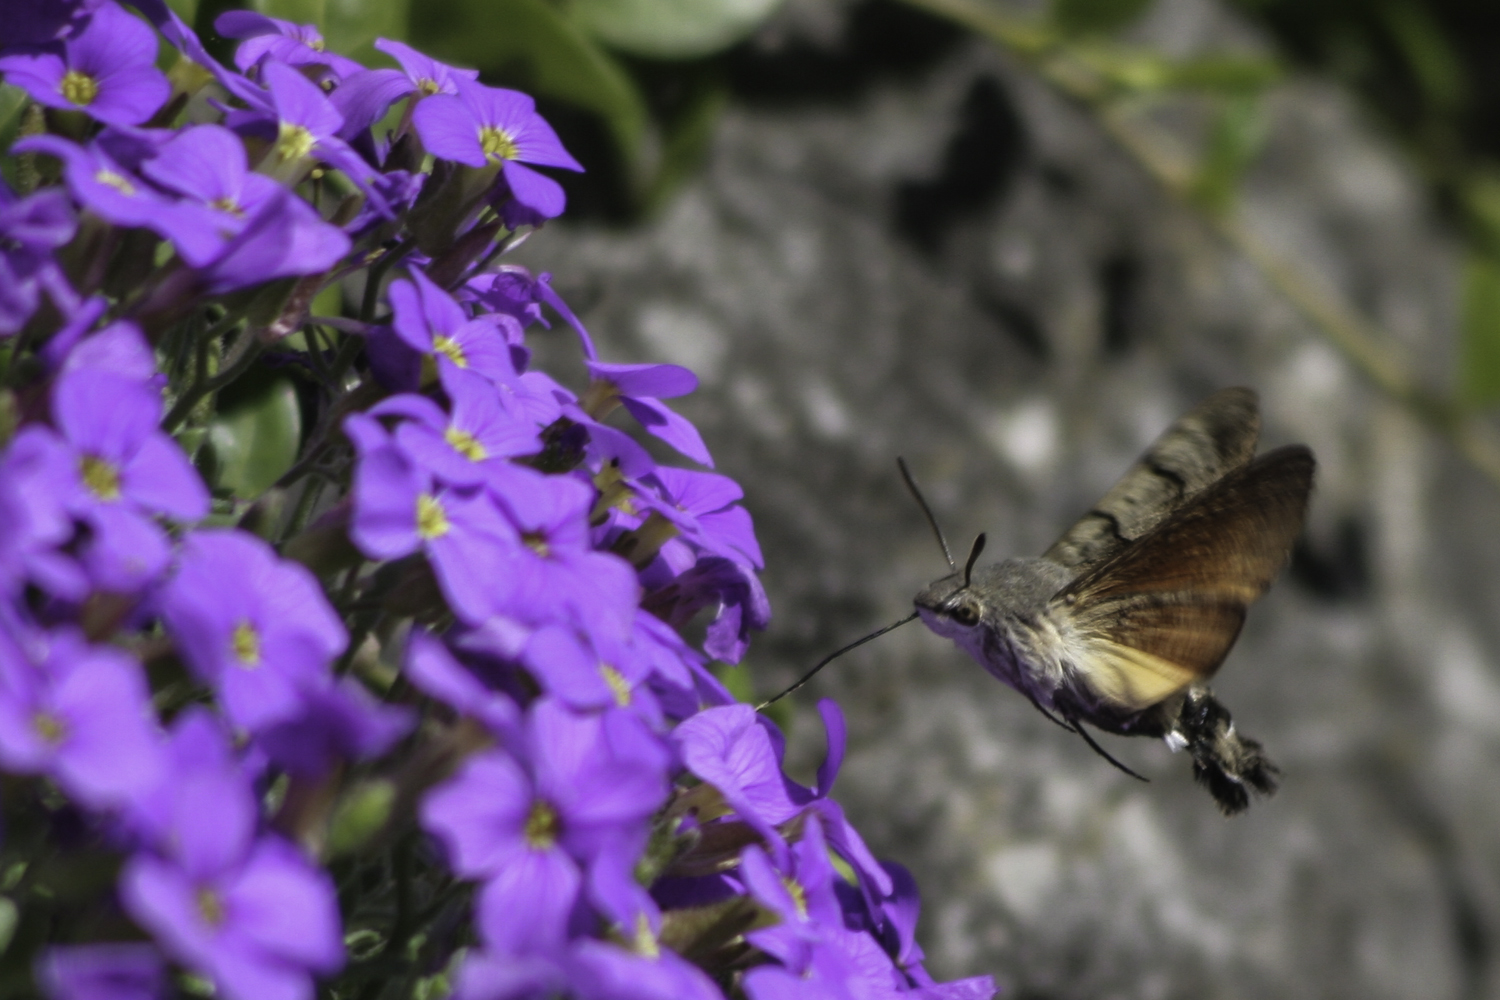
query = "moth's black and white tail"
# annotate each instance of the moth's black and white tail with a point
(1229, 765)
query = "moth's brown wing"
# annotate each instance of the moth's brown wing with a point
(1165, 610)
(1216, 436)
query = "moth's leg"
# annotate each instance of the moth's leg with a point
(1224, 762)
(1050, 717)
(1077, 727)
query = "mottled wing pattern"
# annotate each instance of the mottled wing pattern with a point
(1205, 443)
(1165, 610)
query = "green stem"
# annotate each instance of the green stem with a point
(246, 349)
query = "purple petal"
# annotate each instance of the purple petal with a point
(299, 101)
(160, 478)
(128, 550)
(449, 130)
(287, 907)
(105, 414)
(480, 815)
(102, 972)
(672, 428)
(524, 908)
(537, 192)
(651, 380)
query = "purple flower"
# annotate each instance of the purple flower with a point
(523, 823)
(260, 925)
(640, 389)
(363, 97)
(713, 581)
(398, 510)
(798, 889)
(102, 972)
(512, 291)
(551, 564)
(338, 721)
(702, 506)
(256, 627)
(487, 125)
(80, 714)
(102, 178)
(206, 166)
(286, 237)
(270, 38)
(462, 447)
(250, 913)
(30, 229)
(428, 320)
(121, 470)
(106, 70)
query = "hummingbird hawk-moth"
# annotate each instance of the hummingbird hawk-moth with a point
(1122, 622)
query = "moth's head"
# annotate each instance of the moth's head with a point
(951, 607)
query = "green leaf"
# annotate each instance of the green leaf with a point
(1433, 63)
(1096, 17)
(670, 29)
(351, 27)
(255, 434)
(1233, 141)
(1479, 350)
(1223, 74)
(530, 41)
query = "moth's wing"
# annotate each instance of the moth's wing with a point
(1165, 610)
(1216, 436)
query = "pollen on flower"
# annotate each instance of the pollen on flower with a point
(228, 205)
(101, 478)
(246, 643)
(79, 88)
(293, 142)
(432, 519)
(799, 896)
(48, 726)
(450, 349)
(428, 86)
(542, 826)
(465, 444)
(644, 942)
(111, 179)
(536, 541)
(497, 143)
(618, 685)
(210, 907)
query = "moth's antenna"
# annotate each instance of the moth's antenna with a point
(973, 558)
(833, 656)
(911, 484)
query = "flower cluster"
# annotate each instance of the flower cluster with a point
(423, 717)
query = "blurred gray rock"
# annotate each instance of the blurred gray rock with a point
(1020, 366)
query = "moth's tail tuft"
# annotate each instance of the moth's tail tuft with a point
(1229, 765)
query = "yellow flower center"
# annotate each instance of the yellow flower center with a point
(210, 907)
(644, 943)
(799, 896)
(427, 87)
(316, 44)
(432, 519)
(536, 541)
(101, 478)
(450, 349)
(618, 685)
(111, 179)
(246, 643)
(497, 144)
(228, 205)
(465, 444)
(542, 826)
(49, 727)
(78, 88)
(293, 142)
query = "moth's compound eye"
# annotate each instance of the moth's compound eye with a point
(965, 614)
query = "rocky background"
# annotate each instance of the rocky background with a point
(903, 244)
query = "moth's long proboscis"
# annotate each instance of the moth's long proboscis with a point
(833, 656)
